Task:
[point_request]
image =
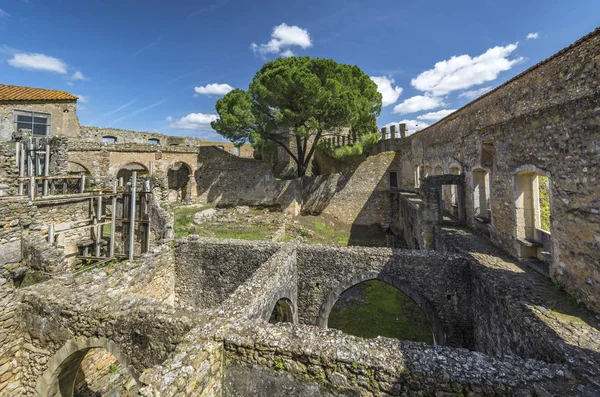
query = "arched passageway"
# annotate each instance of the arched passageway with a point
(381, 298)
(283, 312)
(374, 308)
(179, 182)
(126, 171)
(87, 367)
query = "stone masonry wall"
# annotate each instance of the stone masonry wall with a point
(282, 360)
(207, 271)
(227, 180)
(543, 120)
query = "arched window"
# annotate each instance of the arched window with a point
(439, 170)
(109, 139)
(427, 171)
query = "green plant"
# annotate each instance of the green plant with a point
(354, 365)
(307, 97)
(112, 368)
(559, 286)
(278, 364)
(197, 385)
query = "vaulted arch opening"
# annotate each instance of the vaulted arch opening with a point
(126, 171)
(371, 305)
(87, 367)
(179, 182)
(374, 308)
(283, 312)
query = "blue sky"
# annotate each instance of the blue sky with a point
(160, 66)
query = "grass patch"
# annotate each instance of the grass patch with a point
(184, 218)
(374, 308)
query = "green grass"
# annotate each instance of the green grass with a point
(383, 310)
(544, 202)
(184, 218)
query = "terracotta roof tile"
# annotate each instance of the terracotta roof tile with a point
(16, 93)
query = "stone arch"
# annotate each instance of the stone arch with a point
(438, 170)
(77, 168)
(290, 298)
(439, 335)
(179, 176)
(59, 377)
(126, 170)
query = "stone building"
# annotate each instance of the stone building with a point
(498, 204)
(44, 112)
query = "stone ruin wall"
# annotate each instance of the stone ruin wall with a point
(543, 119)
(226, 345)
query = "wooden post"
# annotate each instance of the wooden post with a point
(98, 227)
(132, 214)
(113, 218)
(46, 170)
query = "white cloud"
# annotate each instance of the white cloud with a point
(418, 103)
(287, 53)
(78, 76)
(384, 86)
(213, 89)
(194, 121)
(475, 93)
(39, 62)
(435, 116)
(169, 119)
(412, 125)
(282, 38)
(460, 72)
(4, 14)
(81, 99)
(533, 36)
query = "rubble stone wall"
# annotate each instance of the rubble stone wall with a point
(208, 271)
(545, 120)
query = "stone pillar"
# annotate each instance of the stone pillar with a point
(403, 130)
(344, 140)
(338, 141)
(383, 133)
(393, 131)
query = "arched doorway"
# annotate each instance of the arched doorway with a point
(374, 308)
(126, 171)
(178, 179)
(283, 312)
(87, 366)
(408, 298)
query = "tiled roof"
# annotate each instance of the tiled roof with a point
(16, 93)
